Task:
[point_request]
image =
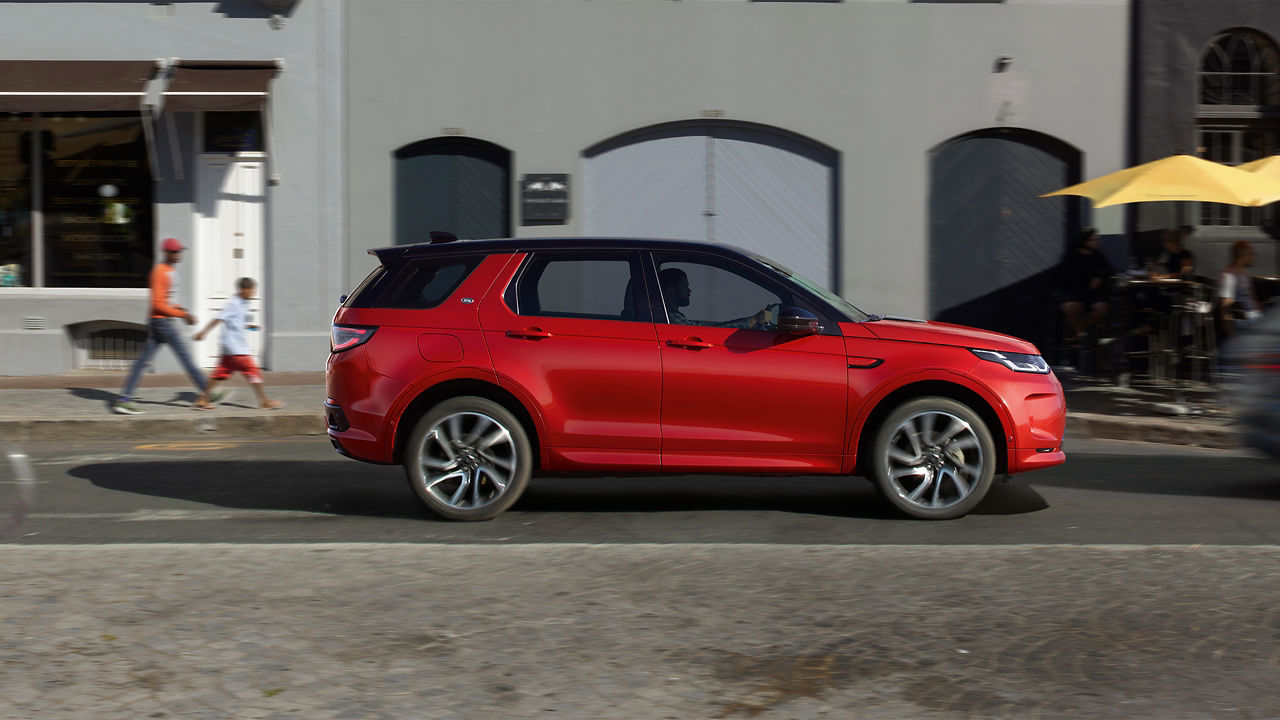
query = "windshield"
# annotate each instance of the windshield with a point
(834, 300)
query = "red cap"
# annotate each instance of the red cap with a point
(172, 245)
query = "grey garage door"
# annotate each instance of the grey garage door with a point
(993, 243)
(756, 188)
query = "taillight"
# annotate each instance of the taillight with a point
(1264, 362)
(345, 337)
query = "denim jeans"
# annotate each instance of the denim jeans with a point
(163, 330)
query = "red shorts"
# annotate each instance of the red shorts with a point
(231, 364)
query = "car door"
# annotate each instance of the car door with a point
(737, 394)
(570, 337)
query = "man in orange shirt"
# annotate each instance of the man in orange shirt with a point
(162, 328)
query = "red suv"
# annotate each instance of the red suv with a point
(477, 364)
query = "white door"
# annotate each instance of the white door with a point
(229, 232)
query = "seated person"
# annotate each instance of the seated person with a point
(1084, 274)
(676, 293)
(1176, 261)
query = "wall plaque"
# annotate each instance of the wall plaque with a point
(544, 197)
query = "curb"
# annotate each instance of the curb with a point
(164, 428)
(1154, 430)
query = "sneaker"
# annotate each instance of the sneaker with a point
(126, 407)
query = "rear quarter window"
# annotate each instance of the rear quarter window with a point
(416, 284)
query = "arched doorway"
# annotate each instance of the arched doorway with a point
(993, 243)
(752, 186)
(457, 185)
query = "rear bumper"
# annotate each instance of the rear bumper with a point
(356, 406)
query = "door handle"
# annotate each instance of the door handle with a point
(529, 333)
(690, 343)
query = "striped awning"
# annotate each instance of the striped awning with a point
(73, 85)
(219, 85)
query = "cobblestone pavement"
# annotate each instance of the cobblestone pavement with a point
(638, 631)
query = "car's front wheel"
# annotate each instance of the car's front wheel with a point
(468, 459)
(933, 458)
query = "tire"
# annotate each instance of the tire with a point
(468, 459)
(933, 458)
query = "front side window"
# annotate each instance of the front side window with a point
(83, 210)
(598, 285)
(707, 291)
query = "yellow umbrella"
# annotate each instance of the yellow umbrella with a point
(1267, 166)
(1178, 177)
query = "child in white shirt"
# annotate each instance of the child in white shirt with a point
(234, 347)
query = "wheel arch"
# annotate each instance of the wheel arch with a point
(933, 388)
(461, 387)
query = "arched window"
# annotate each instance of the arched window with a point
(458, 185)
(1238, 113)
(1238, 68)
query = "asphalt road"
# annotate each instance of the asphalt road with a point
(277, 580)
(1109, 493)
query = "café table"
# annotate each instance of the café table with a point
(1161, 310)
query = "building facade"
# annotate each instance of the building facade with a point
(1206, 78)
(892, 150)
(123, 123)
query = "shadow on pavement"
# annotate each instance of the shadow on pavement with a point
(1244, 478)
(332, 487)
(851, 497)
(100, 396)
(107, 398)
(320, 487)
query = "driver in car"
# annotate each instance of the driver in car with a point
(676, 293)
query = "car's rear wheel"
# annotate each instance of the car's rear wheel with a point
(933, 458)
(468, 459)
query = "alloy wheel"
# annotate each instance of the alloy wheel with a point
(934, 460)
(468, 460)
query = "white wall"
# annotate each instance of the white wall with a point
(882, 81)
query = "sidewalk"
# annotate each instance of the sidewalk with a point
(77, 406)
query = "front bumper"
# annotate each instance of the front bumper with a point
(1036, 408)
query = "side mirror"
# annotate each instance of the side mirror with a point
(798, 321)
(342, 299)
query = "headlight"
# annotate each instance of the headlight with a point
(1016, 362)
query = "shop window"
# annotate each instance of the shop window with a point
(15, 200)
(83, 214)
(1238, 115)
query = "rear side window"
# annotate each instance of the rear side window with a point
(369, 290)
(598, 285)
(416, 284)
